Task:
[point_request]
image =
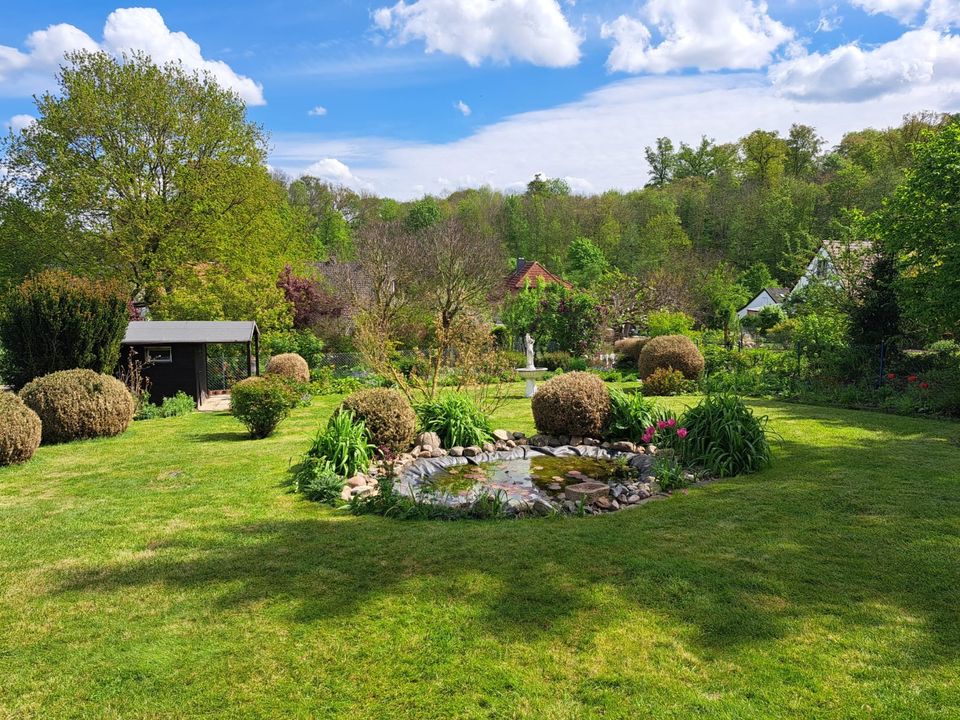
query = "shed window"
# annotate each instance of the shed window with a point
(159, 354)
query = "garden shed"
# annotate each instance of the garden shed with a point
(196, 357)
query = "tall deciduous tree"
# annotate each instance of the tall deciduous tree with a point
(154, 176)
(662, 161)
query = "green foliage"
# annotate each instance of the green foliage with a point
(456, 419)
(725, 437)
(423, 214)
(821, 339)
(666, 381)
(387, 415)
(343, 445)
(565, 319)
(574, 403)
(304, 343)
(630, 415)
(316, 480)
(179, 404)
(755, 278)
(79, 404)
(262, 403)
(20, 430)
(669, 474)
(586, 263)
(668, 322)
(55, 321)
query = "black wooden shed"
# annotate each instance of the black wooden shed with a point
(179, 355)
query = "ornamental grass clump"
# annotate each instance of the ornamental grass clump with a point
(19, 430)
(387, 415)
(262, 403)
(456, 419)
(630, 415)
(342, 445)
(576, 403)
(79, 404)
(289, 365)
(675, 352)
(725, 438)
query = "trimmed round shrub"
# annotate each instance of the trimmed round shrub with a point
(631, 346)
(576, 403)
(79, 404)
(671, 351)
(289, 365)
(387, 415)
(262, 403)
(19, 430)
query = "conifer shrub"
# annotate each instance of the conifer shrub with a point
(19, 430)
(56, 321)
(671, 351)
(387, 415)
(575, 403)
(79, 404)
(289, 365)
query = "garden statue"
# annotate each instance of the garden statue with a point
(531, 373)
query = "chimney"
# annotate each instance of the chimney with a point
(521, 264)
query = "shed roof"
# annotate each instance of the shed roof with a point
(171, 332)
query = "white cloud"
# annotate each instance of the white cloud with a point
(943, 14)
(702, 34)
(535, 31)
(829, 20)
(19, 122)
(594, 139)
(463, 108)
(126, 29)
(851, 73)
(903, 10)
(335, 172)
(318, 111)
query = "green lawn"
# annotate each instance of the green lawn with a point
(167, 573)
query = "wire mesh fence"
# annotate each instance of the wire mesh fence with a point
(227, 364)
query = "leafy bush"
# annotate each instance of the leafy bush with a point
(553, 360)
(667, 381)
(387, 415)
(456, 419)
(630, 415)
(671, 351)
(304, 343)
(630, 347)
(179, 404)
(667, 322)
(262, 403)
(725, 437)
(78, 404)
(575, 364)
(343, 445)
(19, 430)
(576, 403)
(289, 365)
(317, 480)
(56, 321)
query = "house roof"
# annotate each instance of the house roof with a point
(778, 294)
(530, 271)
(146, 332)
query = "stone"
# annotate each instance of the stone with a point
(456, 451)
(555, 487)
(591, 442)
(576, 440)
(651, 449)
(361, 491)
(645, 490)
(518, 435)
(521, 442)
(570, 506)
(623, 446)
(605, 445)
(416, 450)
(511, 444)
(617, 491)
(603, 503)
(633, 499)
(614, 504)
(502, 435)
(425, 454)
(639, 450)
(542, 507)
(358, 480)
(346, 493)
(489, 447)
(561, 440)
(587, 491)
(438, 454)
(427, 447)
(689, 477)
(429, 438)
(471, 451)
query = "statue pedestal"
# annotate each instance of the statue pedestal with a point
(531, 375)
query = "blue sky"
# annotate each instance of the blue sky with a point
(431, 95)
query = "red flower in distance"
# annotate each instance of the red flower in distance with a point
(911, 378)
(924, 385)
(891, 376)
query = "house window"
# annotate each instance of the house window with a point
(161, 354)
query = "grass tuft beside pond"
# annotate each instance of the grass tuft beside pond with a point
(168, 573)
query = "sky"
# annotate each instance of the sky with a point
(429, 96)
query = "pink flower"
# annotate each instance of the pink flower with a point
(682, 433)
(671, 422)
(647, 438)
(661, 424)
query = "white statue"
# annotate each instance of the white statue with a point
(528, 341)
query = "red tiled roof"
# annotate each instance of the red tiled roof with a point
(532, 272)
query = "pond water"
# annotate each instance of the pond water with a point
(541, 471)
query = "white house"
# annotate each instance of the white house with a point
(767, 296)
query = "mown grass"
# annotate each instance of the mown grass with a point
(167, 573)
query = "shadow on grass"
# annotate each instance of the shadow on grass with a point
(831, 531)
(213, 437)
